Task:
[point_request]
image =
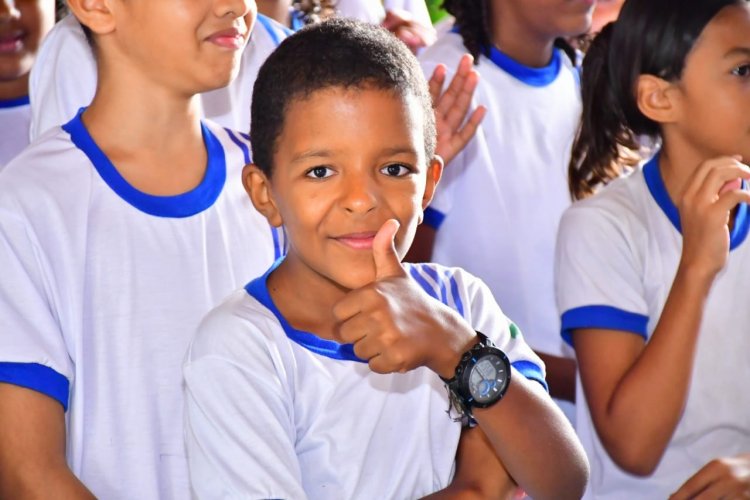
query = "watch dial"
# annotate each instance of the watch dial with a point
(487, 379)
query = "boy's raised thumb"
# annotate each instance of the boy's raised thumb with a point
(387, 263)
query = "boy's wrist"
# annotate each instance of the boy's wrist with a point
(445, 364)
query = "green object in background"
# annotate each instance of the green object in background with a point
(435, 8)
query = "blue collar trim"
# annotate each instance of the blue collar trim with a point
(16, 102)
(658, 191)
(186, 204)
(258, 289)
(534, 77)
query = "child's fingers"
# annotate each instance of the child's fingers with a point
(349, 306)
(731, 199)
(713, 174)
(436, 82)
(387, 261)
(461, 101)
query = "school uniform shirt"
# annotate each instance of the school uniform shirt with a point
(15, 116)
(617, 257)
(63, 78)
(498, 205)
(373, 11)
(275, 412)
(102, 287)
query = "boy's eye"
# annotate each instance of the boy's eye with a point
(319, 172)
(742, 71)
(395, 170)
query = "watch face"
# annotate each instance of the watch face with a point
(488, 378)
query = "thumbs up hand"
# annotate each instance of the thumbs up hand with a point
(394, 324)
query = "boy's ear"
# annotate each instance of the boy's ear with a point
(258, 187)
(434, 173)
(94, 14)
(657, 98)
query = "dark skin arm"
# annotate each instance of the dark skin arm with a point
(397, 327)
(32, 448)
(479, 473)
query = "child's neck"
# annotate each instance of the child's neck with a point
(152, 137)
(514, 40)
(14, 89)
(677, 164)
(305, 298)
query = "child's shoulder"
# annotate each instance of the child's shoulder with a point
(447, 49)
(240, 327)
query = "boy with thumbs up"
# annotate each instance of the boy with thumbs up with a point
(326, 377)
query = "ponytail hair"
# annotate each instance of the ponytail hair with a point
(649, 38)
(473, 24)
(601, 148)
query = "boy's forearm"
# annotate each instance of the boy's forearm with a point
(479, 472)
(535, 442)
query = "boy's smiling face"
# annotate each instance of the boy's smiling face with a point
(190, 46)
(346, 161)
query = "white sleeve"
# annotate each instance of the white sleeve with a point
(239, 426)
(33, 353)
(597, 273)
(63, 78)
(486, 316)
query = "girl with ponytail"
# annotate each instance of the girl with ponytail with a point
(652, 264)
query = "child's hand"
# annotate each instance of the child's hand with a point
(413, 33)
(704, 210)
(394, 324)
(725, 478)
(452, 106)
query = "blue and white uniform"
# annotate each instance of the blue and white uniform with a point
(275, 412)
(617, 257)
(102, 287)
(498, 205)
(63, 78)
(15, 117)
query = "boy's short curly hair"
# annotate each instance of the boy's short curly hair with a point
(336, 53)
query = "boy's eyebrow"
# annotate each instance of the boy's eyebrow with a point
(312, 153)
(738, 51)
(327, 153)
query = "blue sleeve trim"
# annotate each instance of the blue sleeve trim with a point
(39, 378)
(602, 317)
(433, 218)
(531, 371)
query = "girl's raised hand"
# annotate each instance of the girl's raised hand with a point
(705, 208)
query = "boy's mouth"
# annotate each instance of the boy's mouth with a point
(229, 39)
(357, 241)
(11, 43)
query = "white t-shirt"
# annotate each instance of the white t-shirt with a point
(274, 412)
(373, 11)
(499, 202)
(617, 257)
(103, 286)
(15, 116)
(63, 78)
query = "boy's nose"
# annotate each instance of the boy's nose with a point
(235, 8)
(358, 196)
(8, 10)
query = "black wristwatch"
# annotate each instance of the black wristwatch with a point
(481, 379)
